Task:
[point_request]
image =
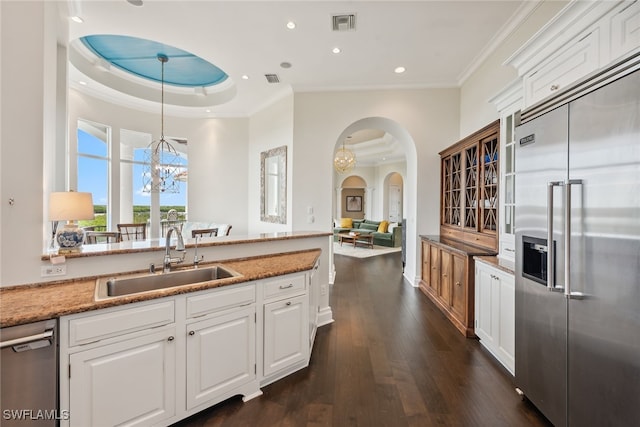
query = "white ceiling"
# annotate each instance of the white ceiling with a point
(438, 42)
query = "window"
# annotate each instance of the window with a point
(114, 176)
(136, 204)
(93, 168)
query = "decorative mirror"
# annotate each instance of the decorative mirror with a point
(273, 185)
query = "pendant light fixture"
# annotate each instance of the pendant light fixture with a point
(162, 167)
(344, 160)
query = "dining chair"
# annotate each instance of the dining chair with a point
(136, 231)
(94, 237)
(228, 230)
(204, 232)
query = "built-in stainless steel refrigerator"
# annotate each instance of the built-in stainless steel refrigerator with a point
(578, 255)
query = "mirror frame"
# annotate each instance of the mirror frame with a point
(281, 154)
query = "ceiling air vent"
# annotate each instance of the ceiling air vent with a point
(272, 78)
(344, 22)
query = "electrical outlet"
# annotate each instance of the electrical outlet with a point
(323, 290)
(53, 270)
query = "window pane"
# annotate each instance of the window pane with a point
(141, 199)
(90, 144)
(508, 219)
(508, 187)
(92, 178)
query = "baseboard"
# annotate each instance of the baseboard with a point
(325, 316)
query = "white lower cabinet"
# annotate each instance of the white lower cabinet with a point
(156, 362)
(286, 341)
(495, 313)
(129, 383)
(221, 355)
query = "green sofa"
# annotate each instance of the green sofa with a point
(393, 238)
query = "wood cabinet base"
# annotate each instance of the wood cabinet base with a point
(448, 279)
(466, 330)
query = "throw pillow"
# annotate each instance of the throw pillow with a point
(392, 226)
(346, 222)
(382, 228)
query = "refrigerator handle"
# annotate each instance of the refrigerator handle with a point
(551, 266)
(567, 241)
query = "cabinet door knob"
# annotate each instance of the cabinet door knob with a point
(444, 275)
(458, 283)
(289, 303)
(554, 87)
(171, 338)
(192, 333)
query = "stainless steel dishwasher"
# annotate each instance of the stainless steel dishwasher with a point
(28, 375)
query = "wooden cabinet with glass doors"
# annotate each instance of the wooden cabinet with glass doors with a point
(470, 176)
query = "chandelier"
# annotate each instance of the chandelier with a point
(344, 160)
(162, 167)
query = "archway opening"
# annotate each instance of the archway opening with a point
(399, 172)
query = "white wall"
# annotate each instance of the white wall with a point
(269, 128)
(491, 77)
(428, 116)
(218, 173)
(28, 59)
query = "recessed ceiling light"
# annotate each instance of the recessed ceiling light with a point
(285, 64)
(245, 77)
(399, 70)
(207, 110)
(82, 82)
(77, 19)
(135, 2)
(336, 50)
(291, 25)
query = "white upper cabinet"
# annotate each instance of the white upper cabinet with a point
(624, 27)
(583, 38)
(575, 60)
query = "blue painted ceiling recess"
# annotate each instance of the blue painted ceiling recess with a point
(140, 57)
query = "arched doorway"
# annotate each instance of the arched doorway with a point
(352, 201)
(408, 175)
(393, 197)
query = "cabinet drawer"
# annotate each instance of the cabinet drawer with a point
(285, 286)
(200, 305)
(96, 327)
(483, 240)
(577, 59)
(451, 233)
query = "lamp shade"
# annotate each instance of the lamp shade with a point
(70, 206)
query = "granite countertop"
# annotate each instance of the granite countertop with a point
(150, 245)
(494, 262)
(31, 303)
(459, 246)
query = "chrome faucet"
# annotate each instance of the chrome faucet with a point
(196, 258)
(168, 260)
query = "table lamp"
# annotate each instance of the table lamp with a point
(70, 206)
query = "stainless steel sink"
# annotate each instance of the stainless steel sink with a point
(134, 284)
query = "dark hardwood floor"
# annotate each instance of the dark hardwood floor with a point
(390, 359)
